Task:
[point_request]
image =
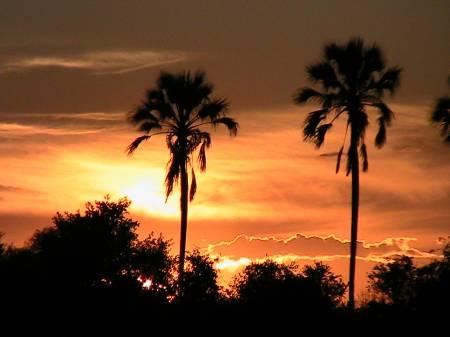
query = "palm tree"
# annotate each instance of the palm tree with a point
(352, 78)
(179, 107)
(441, 115)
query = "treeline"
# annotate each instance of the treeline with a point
(95, 260)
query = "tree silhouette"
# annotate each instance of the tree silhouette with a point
(152, 264)
(328, 284)
(264, 283)
(94, 256)
(90, 249)
(394, 280)
(401, 284)
(353, 78)
(179, 106)
(199, 282)
(273, 285)
(441, 115)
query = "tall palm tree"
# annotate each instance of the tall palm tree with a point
(179, 107)
(441, 115)
(352, 78)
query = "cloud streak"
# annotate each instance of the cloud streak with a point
(314, 247)
(99, 62)
(232, 256)
(15, 189)
(15, 130)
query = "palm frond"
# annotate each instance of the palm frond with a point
(304, 95)
(389, 81)
(373, 62)
(230, 123)
(140, 114)
(202, 157)
(324, 73)
(213, 109)
(441, 111)
(380, 138)
(338, 161)
(320, 134)
(333, 53)
(385, 111)
(148, 126)
(206, 143)
(363, 154)
(347, 58)
(441, 115)
(173, 174)
(193, 188)
(201, 89)
(311, 123)
(186, 91)
(135, 144)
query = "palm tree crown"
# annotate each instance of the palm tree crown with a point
(352, 77)
(178, 107)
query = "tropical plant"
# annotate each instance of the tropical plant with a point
(199, 282)
(179, 107)
(441, 115)
(352, 78)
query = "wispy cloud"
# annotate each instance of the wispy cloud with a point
(232, 256)
(15, 189)
(100, 63)
(312, 247)
(20, 130)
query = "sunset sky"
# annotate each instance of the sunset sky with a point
(71, 70)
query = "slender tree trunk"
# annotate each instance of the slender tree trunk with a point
(184, 215)
(354, 225)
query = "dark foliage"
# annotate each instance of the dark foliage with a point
(270, 284)
(199, 282)
(440, 115)
(423, 289)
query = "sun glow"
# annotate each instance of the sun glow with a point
(149, 197)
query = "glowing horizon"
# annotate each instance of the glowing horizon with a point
(66, 93)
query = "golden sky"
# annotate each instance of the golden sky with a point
(69, 75)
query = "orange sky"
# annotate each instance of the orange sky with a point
(69, 75)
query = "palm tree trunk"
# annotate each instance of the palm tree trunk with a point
(184, 215)
(354, 225)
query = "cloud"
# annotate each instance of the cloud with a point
(245, 248)
(301, 249)
(15, 189)
(13, 130)
(232, 256)
(100, 62)
(89, 116)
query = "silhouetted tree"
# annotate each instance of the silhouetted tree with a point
(432, 287)
(199, 282)
(328, 284)
(264, 283)
(441, 115)
(394, 280)
(179, 106)
(87, 256)
(423, 289)
(88, 249)
(152, 264)
(2, 245)
(353, 78)
(270, 284)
